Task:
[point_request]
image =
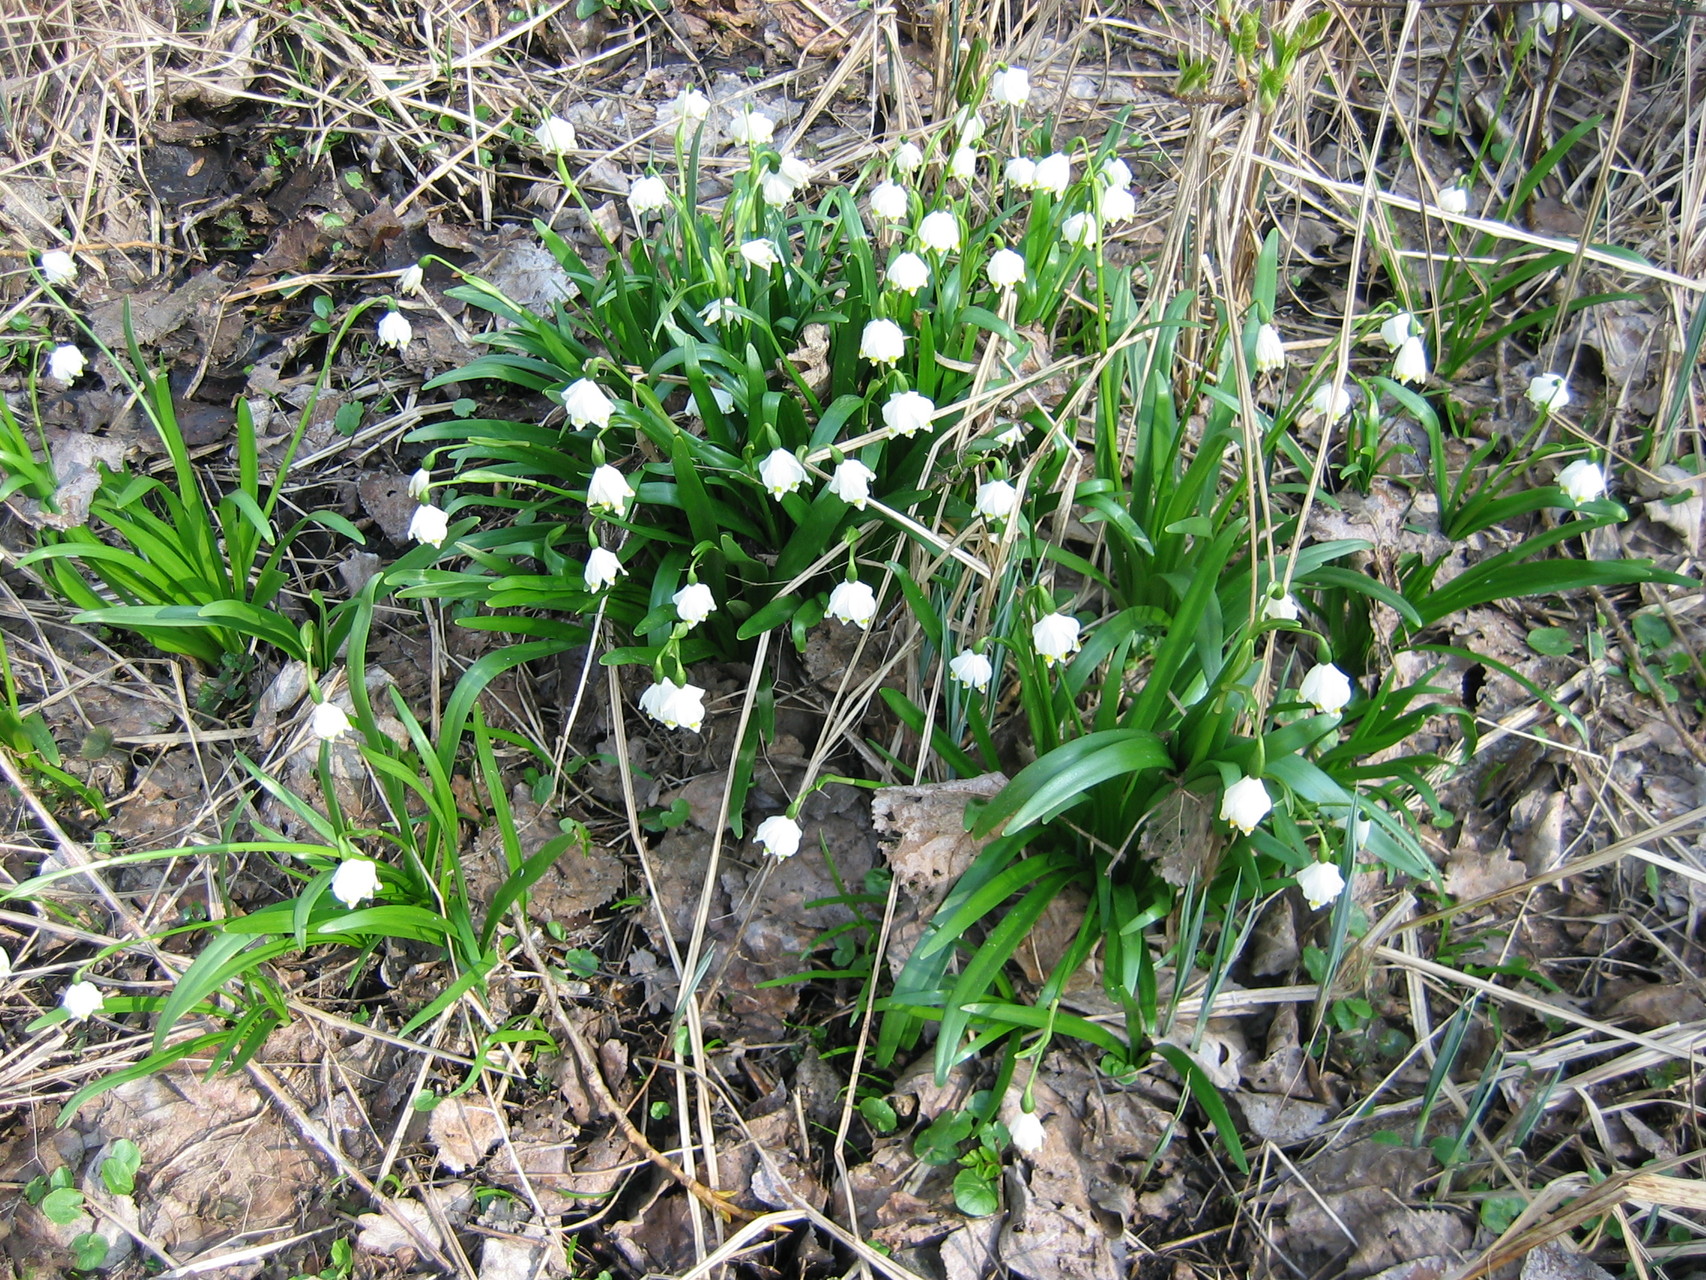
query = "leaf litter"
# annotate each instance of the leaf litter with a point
(1354, 1210)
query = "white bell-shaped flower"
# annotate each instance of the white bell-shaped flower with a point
(853, 603)
(909, 273)
(882, 342)
(82, 1000)
(587, 405)
(1055, 637)
(1010, 87)
(1245, 804)
(1548, 391)
(852, 483)
(328, 722)
(1326, 688)
(1582, 481)
(66, 363)
(429, 525)
(395, 330)
(779, 836)
(889, 202)
(608, 490)
(908, 413)
(1322, 883)
(602, 568)
(996, 499)
(781, 473)
(972, 669)
(355, 881)
(694, 603)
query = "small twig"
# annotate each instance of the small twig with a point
(316, 1136)
(593, 1077)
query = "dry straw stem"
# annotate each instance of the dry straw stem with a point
(1548, 1217)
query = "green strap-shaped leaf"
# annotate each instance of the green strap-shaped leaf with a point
(1048, 786)
(1209, 1099)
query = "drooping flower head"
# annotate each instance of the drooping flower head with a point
(972, 669)
(1326, 688)
(853, 603)
(587, 405)
(752, 127)
(1010, 87)
(555, 136)
(852, 483)
(996, 500)
(647, 195)
(1270, 350)
(1411, 362)
(395, 330)
(1006, 268)
(888, 201)
(608, 490)
(1548, 391)
(602, 569)
(781, 473)
(355, 881)
(908, 413)
(779, 836)
(1245, 804)
(1582, 481)
(694, 603)
(82, 1000)
(909, 273)
(675, 706)
(939, 232)
(1054, 174)
(1055, 637)
(66, 363)
(58, 267)
(882, 342)
(429, 525)
(1322, 883)
(762, 254)
(328, 722)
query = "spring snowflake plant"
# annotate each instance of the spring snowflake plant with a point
(729, 365)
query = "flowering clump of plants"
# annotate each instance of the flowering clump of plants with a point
(926, 391)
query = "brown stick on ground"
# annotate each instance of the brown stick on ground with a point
(716, 1201)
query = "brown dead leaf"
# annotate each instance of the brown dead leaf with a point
(253, 1177)
(931, 848)
(527, 274)
(1178, 836)
(464, 1129)
(157, 312)
(1655, 1004)
(1470, 873)
(77, 459)
(383, 1234)
(811, 357)
(227, 66)
(1285, 1122)
(1053, 1242)
(818, 30)
(1273, 947)
(1555, 1260)
(1676, 503)
(385, 498)
(579, 881)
